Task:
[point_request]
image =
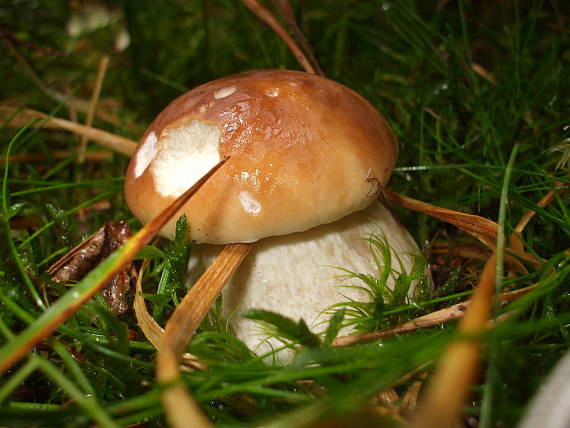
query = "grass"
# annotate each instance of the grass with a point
(478, 95)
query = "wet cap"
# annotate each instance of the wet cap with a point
(305, 150)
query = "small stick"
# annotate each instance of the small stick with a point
(93, 106)
(438, 317)
(181, 409)
(20, 117)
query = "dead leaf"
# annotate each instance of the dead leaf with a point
(83, 258)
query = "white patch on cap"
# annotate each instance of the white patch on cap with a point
(185, 154)
(248, 203)
(224, 92)
(272, 92)
(145, 154)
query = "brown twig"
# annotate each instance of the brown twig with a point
(19, 117)
(438, 317)
(266, 16)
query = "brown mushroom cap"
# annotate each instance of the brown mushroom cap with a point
(304, 151)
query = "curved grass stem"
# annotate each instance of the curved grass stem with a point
(181, 409)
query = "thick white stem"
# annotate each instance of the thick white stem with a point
(297, 275)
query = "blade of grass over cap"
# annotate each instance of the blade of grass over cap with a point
(71, 301)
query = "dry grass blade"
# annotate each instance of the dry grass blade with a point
(481, 228)
(181, 409)
(151, 329)
(438, 317)
(93, 105)
(458, 367)
(71, 301)
(266, 16)
(17, 118)
(286, 10)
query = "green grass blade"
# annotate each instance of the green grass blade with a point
(72, 300)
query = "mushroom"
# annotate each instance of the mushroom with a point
(307, 160)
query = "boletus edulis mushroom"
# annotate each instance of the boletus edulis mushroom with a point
(307, 159)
